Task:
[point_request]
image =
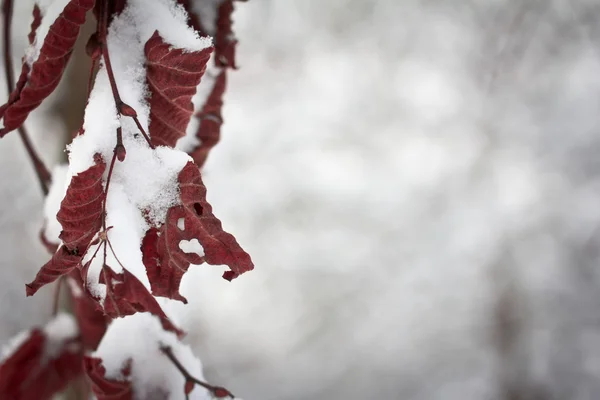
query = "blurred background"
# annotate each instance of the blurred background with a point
(418, 184)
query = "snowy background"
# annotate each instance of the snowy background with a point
(418, 184)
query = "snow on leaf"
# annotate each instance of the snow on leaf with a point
(166, 262)
(172, 77)
(104, 388)
(193, 20)
(209, 130)
(225, 41)
(211, 17)
(80, 217)
(43, 362)
(42, 73)
(126, 295)
(144, 185)
(129, 360)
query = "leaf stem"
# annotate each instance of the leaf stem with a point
(43, 175)
(217, 391)
(122, 108)
(90, 84)
(110, 172)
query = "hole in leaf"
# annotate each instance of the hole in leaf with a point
(181, 224)
(191, 246)
(198, 208)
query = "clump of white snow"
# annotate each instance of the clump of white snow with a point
(138, 339)
(169, 18)
(59, 330)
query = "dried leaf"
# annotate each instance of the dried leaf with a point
(126, 295)
(35, 24)
(220, 247)
(104, 388)
(80, 213)
(166, 262)
(80, 216)
(220, 22)
(172, 76)
(209, 130)
(225, 40)
(39, 80)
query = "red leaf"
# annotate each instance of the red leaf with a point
(209, 130)
(80, 216)
(225, 41)
(37, 20)
(107, 389)
(34, 371)
(61, 263)
(210, 116)
(172, 75)
(80, 213)
(40, 79)
(126, 295)
(220, 247)
(166, 263)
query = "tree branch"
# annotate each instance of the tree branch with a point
(217, 391)
(43, 175)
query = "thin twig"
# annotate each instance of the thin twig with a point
(103, 235)
(43, 175)
(108, 282)
(110, 172)
(57, 296)
(122, 108)
(114, 254)
(90, 84)
(217, 391)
